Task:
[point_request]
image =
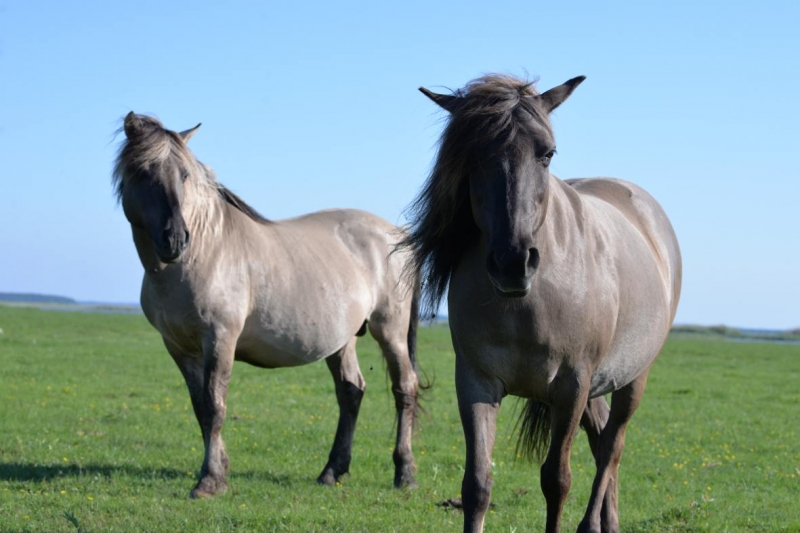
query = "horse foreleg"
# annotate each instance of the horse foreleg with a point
(568, 396)
(594, 419)
(191, 368)
(350, 386)
(612, 441)
(218, 354)
(478, 403)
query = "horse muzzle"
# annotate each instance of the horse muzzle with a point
(510, 272)
(172, 245)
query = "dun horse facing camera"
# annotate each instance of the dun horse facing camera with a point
(559, 291)
(223, 283)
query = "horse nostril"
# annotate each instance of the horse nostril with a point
(533, 258)
(186, 238)
(512, 263)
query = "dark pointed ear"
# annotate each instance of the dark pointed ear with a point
(132, 125)
(555, 97)
(448, 102)
(187, 134)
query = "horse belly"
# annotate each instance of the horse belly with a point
(292, 346)
(631, 356)
(258, 354)
(298, 334)
(642, 326)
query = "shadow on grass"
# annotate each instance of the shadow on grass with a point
(32, 472)
(40, 472)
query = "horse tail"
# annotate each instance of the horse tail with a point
(411, 340)
(413, 324)
(534, 431)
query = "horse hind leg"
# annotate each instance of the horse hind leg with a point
(568, 397)
(350, 387)
(611, 443)
(396, 346)
(594, 419)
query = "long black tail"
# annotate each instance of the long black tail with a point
(534, 431)
(411, 339)
(413, 324)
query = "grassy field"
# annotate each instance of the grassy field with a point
(97, 434)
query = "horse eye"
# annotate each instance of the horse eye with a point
(547, 157)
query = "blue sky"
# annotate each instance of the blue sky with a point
(310, 105)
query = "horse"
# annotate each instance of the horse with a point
(559, 291)
(222, 283)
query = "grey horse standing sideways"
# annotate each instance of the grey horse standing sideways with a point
(223, 283)
(559, 291)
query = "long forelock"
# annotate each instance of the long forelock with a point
(155, 147)
(495, 111)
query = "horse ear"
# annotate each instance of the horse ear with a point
(445, 101)
(187, 134)
(132, 125)
(555, 97)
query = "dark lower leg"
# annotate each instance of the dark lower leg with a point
(349, 391)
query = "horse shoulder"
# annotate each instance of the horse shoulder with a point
(643, 213)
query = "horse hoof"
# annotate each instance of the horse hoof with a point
(208, 488)
(406, 482)
(327, 478)
(404, 478)
(408, 485)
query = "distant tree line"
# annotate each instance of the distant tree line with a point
(34, 298)
(735, 333)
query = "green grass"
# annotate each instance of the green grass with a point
(97, 434)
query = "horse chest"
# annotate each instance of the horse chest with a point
(178, 310)
(524, 342)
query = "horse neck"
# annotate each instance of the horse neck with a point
(205, 215)
(564, 219)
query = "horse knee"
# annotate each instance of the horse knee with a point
(477, 492)
(555, 481)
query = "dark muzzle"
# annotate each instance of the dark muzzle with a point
(172, 244)
(511, 270)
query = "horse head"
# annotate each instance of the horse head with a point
(151, 170)
(499, 128)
